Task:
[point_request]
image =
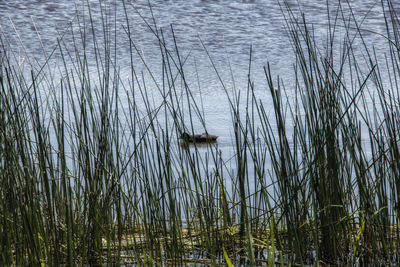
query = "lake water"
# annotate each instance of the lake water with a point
(227, 29)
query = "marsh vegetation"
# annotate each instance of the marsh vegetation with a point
(92, 172)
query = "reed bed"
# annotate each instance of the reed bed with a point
(91, 173)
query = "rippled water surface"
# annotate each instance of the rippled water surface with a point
(227, 28)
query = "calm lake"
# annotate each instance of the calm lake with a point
(225, 28)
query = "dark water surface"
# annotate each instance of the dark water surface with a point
(227, 28)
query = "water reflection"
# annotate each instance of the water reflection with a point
(227, 30)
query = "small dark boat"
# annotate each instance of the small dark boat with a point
(198, 138)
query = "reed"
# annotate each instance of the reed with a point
(91, 173)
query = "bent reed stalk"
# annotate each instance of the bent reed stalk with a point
(91, 173)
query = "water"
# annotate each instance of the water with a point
(227, 29)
